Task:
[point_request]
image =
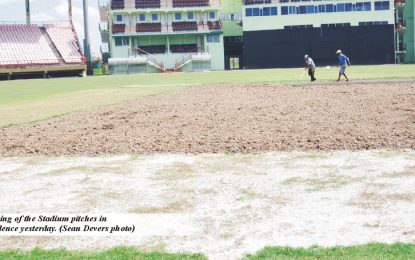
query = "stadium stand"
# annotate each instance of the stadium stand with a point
(66, 42)
(255, 2)
(24, 45)
(184, 26)
(148, 27)
(117, 4)
(190, 3)
(118, 28)
(31, 50)
(179, 48)
(147, 4)
(151, 49)
(214, 25)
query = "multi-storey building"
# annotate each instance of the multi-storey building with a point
(159, 35)
(288, 29)
(186, 35)
(405, 37)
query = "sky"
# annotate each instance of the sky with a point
(56, 10)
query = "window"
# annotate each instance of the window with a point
(321, 8)
(340, 7)
(122, 41)
(248, 11)
(348, 7)
(274, 11)
(292, 10)
(213, 38)
(329, 8)
(212, 15)
(266, 11)
(383, 5)
(367, 6)
(178, 16)
(154, 17)
(190, 16)
(142, 17)
(303, 9)
(310, 9)
(255, 11)
(118, 18)
(284, 10)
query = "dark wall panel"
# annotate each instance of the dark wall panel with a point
(286, 48)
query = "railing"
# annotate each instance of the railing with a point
(180, 62)
(201, 27)
(150, 59)
(130, 4)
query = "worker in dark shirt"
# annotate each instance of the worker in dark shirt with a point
(309, 64)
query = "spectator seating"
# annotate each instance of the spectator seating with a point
(184, 26)
(214, 25)
(118, 28)
(148, 27)
(25, 45)
(254, 2)
(66, 42)
(117, 4)
(177, 48)
(151, 49)
(190, 3)
(147, 4)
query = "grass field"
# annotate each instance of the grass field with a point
(370, 251)
(114, 253)
(24, 101)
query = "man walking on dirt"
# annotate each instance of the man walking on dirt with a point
(309, 64)
(343, 63)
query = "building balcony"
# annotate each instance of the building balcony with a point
(159, 29)
(130, 5)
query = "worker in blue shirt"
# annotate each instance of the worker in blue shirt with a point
(343, 63)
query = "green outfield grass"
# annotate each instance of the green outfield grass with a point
(25, 101)
(370, 251)
(121, 253)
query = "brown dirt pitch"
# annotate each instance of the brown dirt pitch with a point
(242, 119)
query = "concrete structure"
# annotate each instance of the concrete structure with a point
(256, 33)
(160, 35)
(277, 33)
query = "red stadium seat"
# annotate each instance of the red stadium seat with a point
(24, 45)
(65, 40)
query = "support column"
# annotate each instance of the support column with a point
(87, 48)
(27, 11)
(70, 12)
(168, 44)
